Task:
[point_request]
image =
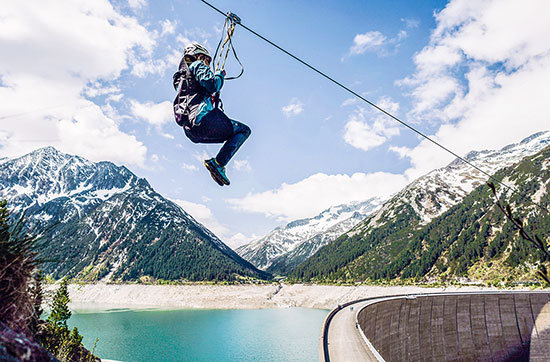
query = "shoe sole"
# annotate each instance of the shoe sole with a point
(214, 174)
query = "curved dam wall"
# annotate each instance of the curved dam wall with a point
(467, 327)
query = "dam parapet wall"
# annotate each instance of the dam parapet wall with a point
(459, 327)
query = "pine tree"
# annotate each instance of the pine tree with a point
(60, 313)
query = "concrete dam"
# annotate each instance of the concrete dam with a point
(489, 326)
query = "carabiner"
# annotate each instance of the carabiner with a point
(233, 17)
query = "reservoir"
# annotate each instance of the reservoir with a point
(285, 334)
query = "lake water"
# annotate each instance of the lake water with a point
(290, 334)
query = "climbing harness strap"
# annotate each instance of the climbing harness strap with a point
(231, 21)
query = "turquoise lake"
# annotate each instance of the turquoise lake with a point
(289, 334)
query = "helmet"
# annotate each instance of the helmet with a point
(195, 49)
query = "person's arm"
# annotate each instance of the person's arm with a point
(213, 82)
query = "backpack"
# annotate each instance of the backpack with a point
(189, 95)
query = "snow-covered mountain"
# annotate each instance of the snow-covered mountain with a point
(429, 196)
(289, 245)
(436, 192)
(429, 230)
(99, 219)
(73, 184)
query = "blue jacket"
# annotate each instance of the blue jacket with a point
(211, 81)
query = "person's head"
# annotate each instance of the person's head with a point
(195, 51)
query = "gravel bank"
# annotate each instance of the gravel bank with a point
(134, 296)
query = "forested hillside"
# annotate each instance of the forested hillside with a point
(472, 239)
(98, 220)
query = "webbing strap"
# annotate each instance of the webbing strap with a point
(230, 31)
(231, 21)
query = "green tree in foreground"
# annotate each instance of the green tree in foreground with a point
(21, 295)
(59, 340)
(60, 313)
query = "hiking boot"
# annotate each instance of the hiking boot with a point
(216, 171)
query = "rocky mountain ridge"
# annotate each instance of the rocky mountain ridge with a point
(437, 219)
(296, 241)
(424, 199)
(99, 220)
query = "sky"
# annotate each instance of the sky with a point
(94, 78)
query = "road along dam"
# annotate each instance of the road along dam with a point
(479, 326)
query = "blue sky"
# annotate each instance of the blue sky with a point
(93, 78)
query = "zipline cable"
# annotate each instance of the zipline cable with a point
(375, 106)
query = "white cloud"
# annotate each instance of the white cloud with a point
(168, 135)
(204, 215)
(483, 78)
(411, 23)
(137, 4)
(79, 43)
(240, 239)
(375, 41)
(368, 41)
(349, 102)
(142, 67)
(189, 167)
(156, 114)
(193, 35)
(96, 89)
(115, 97)
(201, 156)
(294, 108)
(365, 135)
(402, 34)
(317, 193)
(359, 134)
(168, 27)
(242, 165)
(183, 40)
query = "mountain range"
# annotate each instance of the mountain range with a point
(100, 221)
(437, 218)
(429, 196)
(286, 247)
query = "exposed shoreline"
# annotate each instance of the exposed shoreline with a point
(138, 296)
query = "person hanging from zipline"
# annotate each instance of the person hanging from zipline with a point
(196, 109)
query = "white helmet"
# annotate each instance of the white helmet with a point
(195, 49)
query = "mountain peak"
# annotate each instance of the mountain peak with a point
(288, 245)
(47, 152)
(101, 220)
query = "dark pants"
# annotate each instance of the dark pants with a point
(216, 127)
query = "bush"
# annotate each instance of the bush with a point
(17, 263)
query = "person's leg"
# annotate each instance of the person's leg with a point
(214, 127)
(240, 133)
